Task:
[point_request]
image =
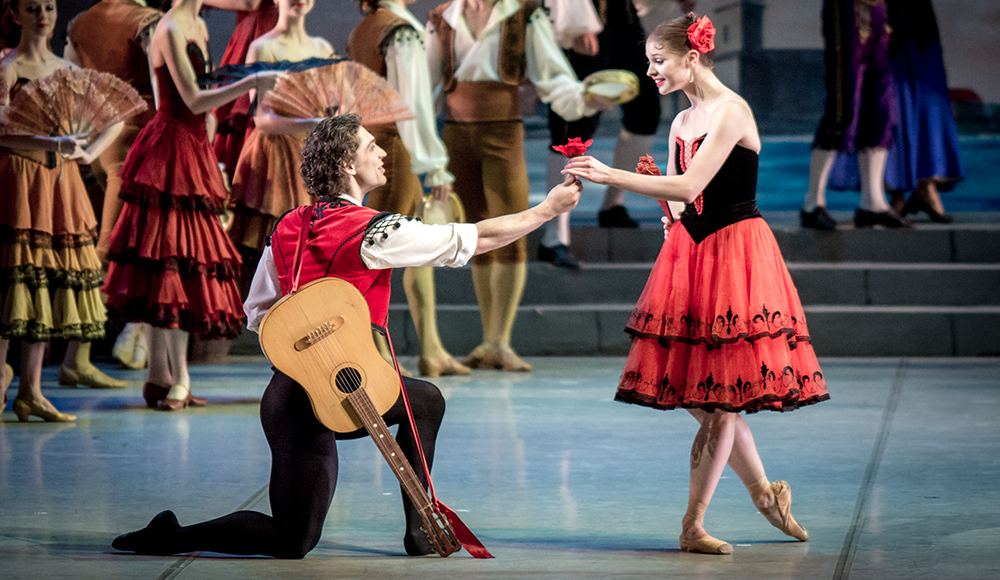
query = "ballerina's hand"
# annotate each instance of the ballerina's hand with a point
(586, 167)
(441, 192)
(72, 147)
(265, 80)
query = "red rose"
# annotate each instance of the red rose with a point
(574, 147)
(647, 166)
(701, 35)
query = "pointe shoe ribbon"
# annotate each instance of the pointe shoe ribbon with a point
(95, 379)
(706, 545)
(25, 409)
(790, 527)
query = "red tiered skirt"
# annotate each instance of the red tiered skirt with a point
(719, 325)
(171, 262)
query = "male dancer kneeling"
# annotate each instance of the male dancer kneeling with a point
(340, 163)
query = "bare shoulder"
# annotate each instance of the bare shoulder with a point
(325, 48)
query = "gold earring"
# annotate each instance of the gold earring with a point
(691, 80)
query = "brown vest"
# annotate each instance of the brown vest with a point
(513, 63)
(369, 39)
(106, 38)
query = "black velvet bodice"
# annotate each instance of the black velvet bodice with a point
(730, 196)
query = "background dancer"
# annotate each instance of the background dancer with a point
(390, 41)
(719, 328)
(340, 163)
(48, 230)
(620, 46)
(171, 262)
(860, 112)
(480, 51)
(267, 181)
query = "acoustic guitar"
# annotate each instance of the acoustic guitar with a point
(321, 337)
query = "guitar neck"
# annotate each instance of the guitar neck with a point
(386, 443)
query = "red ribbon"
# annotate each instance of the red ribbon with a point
(463, 534)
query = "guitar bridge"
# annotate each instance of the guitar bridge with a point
(319, 333)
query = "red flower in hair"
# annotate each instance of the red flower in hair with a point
(701, 35)
(574, 147)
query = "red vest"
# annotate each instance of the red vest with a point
(332, 249)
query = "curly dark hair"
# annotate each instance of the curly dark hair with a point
(328, 150)
(673, 35)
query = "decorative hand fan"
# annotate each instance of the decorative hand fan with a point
(337, 89)
(234, 72)
(70, 101)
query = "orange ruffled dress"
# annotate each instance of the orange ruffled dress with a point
(48, 261)
(172, 264)
(719, 324)
(267, 184)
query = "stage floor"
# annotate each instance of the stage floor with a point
(895, 477)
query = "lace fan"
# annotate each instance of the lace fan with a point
(70, 101)
(337, 89)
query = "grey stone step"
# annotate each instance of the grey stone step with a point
(597, 329)
(951, 243)
(853, 283)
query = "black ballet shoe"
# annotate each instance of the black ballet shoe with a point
(418, 544)
(148, 540)
(915, 205)
(889, 219)
(817, 219)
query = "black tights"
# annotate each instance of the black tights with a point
(303, 479)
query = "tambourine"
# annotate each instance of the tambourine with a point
(432, 211)
(618, 85)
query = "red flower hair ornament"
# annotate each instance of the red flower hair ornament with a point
(701, 35)
(574, 147)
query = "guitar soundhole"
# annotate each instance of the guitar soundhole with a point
(348, 380)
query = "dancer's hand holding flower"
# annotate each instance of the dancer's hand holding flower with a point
(589, 168)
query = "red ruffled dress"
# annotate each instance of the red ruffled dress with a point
(719, 324)
(235, 121)
(172, 264)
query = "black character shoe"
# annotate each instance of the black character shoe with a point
(559, 256)
(915, 205)
(149, 540)
(890, 219)
(817, 219)
(615, 217)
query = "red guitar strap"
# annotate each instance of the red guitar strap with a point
(464, 535)
(307, 217)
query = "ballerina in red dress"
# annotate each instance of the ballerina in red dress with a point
(719, 328)
(171, 262)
